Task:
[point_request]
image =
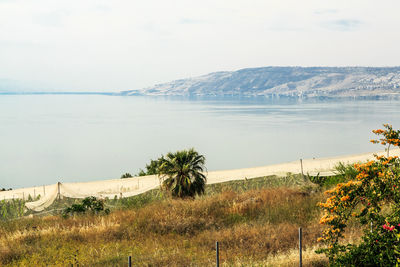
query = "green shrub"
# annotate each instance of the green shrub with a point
(326, 181)
(11, 209)
(89, 204)
(344, 173)
(347, 171)
(152, 167)
(3, 189)
(126, 175)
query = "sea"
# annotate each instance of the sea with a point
(45, 139)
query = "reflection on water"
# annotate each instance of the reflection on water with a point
(50, 138)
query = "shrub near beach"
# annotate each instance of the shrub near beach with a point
(88, 204)
(372, 200)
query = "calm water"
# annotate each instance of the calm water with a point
(50, 138)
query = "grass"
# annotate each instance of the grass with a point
(290, 181)
(256, 222)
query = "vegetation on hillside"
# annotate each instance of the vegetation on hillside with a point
(254, 220)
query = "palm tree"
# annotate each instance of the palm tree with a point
(182, 173)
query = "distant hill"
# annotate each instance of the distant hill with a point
(286, 81)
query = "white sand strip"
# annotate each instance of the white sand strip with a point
(137, 185)
(324, 166)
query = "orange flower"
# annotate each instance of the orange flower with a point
(345, 198)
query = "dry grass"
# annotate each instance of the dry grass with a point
(254, 228)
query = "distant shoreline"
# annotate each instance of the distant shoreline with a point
(275, 97)
(60, 93)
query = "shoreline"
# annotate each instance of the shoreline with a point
(313, 166)
(138, 185)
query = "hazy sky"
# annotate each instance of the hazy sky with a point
(97, 45)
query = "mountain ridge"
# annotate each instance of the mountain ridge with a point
(285, 81)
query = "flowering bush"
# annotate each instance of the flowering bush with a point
(373, 200)
(390, 137)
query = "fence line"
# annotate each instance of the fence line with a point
(140, 259)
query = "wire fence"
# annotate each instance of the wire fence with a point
(164, 258)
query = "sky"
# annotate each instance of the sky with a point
(98, 45)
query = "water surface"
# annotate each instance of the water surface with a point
(50, 138)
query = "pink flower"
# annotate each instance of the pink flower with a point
(388, 227)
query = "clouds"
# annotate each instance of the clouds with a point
(343, 24)
(326, 11)
(119, 45)
(192, 21)
(51, 19)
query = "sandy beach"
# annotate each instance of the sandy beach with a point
(137, 185)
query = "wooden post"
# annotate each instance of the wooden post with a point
(44, 190)
(34, 194)
(300, 247)
(129, 261)
(58, 190)
(23, 196)
(217, 252)
(301, 164)
(76, 258)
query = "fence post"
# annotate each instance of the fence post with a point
(217, 252)
(76, 258)
(129, 261)
(301, 164)
(44, 190)
(58, 190)
(300, 247)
